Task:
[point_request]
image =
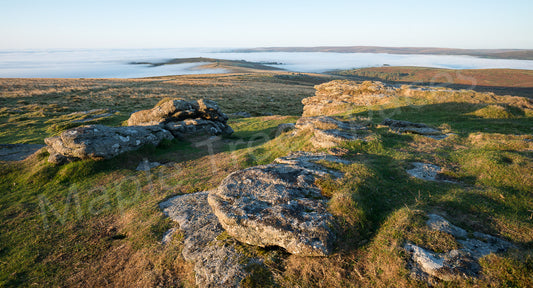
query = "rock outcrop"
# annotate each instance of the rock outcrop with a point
(169, 119)
(277, 205)
(269, 205)
(101, 142)
(330, 132)
(215, 263)
(184, 118)
(458, 263)
(336, 96)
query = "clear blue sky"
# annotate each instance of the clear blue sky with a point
(240, 23)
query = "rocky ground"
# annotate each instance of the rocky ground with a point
(279, 204)
(375, 185)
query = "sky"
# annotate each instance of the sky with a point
(44, 24)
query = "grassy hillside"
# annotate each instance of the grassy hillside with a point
(92, 223)
(499, 81)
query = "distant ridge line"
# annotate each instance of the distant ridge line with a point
(519, 54)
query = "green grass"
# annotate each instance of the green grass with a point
(97, 223)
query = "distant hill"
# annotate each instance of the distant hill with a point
(520, 54)
(212, 63)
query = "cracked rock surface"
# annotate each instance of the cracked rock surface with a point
(278, 205)
(101, 142)
(216, 264)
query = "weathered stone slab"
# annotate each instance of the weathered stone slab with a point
(101, 142)
(17, 152)
(216, 264)
(278, 205)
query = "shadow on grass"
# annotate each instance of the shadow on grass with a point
(387, 188)
(457, 116)
(390, 188)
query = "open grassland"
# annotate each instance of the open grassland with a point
(91, 223)
(499, 81)
(33, 109)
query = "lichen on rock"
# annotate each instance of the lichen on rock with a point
(101, 142)
(277, 205)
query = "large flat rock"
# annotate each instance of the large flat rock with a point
(101, 142)
(277, 205)
(400, 126)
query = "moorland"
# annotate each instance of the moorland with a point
(98, 223)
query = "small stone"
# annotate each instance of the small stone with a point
(284, 127)
(145, 165)
(400, 126)
(241, 114)
(424, 171)
(437, 222)
(445, 266)
(454, 264)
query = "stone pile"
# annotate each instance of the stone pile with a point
(184, 118)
